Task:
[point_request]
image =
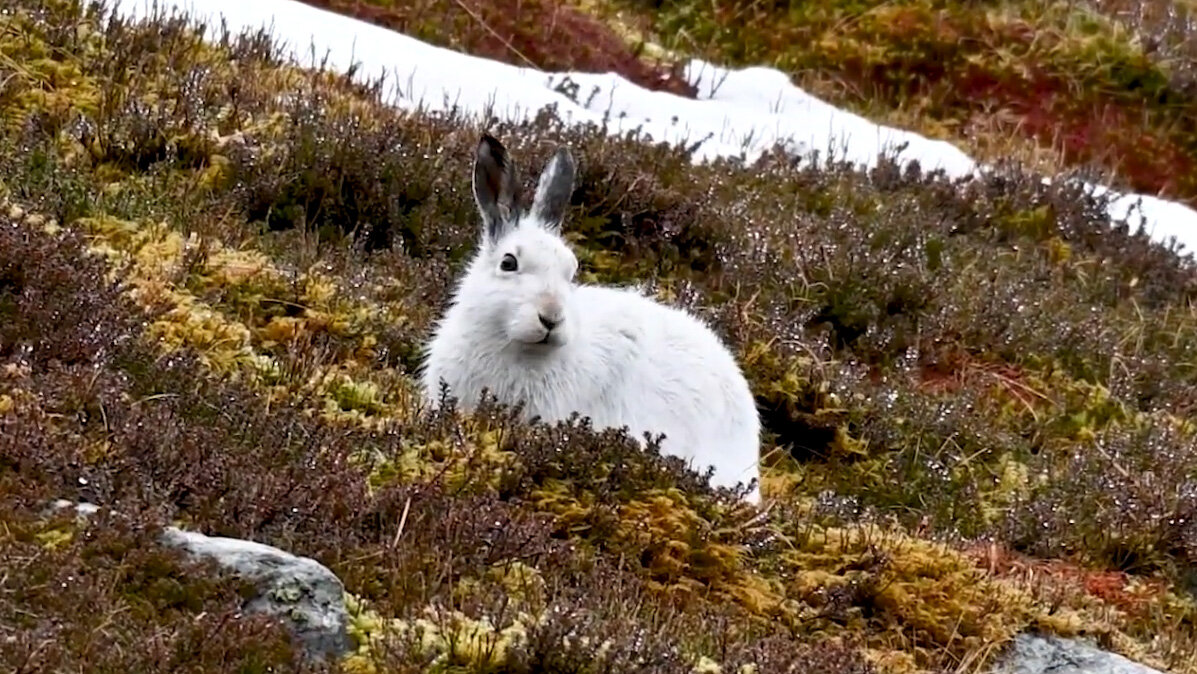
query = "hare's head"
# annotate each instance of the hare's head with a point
(524, 271)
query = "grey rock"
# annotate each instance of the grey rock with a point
(1040, 654)
(305, 593)
(84, 509)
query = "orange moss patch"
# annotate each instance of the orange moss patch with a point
(1131, 594)
(1087, 120)
(1089, 129)
(957, 370)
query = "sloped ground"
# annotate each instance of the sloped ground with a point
(215, 276)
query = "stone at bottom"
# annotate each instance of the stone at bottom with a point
(303, 592)
(300, 590)
(1036, 654)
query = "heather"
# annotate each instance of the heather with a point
(549, 36)
(216, 274)
(1108, 85)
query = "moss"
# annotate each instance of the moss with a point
(54, 538)
(939, 597)
(523, 583)
(350, 396)
(445, 640)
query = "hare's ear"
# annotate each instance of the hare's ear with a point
(496, 187)
(554, 189)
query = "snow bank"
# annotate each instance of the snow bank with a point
(740, 113)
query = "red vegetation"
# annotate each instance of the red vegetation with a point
(963, 370)
(1109, 133)
(530, 33)
(1112, 587)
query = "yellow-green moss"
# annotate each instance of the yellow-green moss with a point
(54, 538)
(456, 641)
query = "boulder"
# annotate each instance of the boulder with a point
(1041, 654)
(304, 593)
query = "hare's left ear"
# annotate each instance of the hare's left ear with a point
(554, 189)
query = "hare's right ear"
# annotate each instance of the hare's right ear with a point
(496, 188)
(554, 189)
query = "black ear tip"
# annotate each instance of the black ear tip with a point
(490, 145)
(565, 155)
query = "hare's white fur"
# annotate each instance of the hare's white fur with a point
(613, 355)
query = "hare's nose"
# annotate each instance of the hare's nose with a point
(550, 311)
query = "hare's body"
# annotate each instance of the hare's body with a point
(635, 363)
(528, 334)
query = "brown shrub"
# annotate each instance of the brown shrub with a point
(546, 35)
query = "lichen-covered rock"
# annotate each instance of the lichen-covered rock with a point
(300, 590)
(1036, 654)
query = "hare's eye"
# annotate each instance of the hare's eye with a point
(509, 263)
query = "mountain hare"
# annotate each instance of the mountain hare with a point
(520, 327)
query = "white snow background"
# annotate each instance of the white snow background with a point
(740, 113)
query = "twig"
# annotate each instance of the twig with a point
(402, 523)
(486, 26)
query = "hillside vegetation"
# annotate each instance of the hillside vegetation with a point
(1107, 86)
(216, 274)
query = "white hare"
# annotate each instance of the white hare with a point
(521, 328)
